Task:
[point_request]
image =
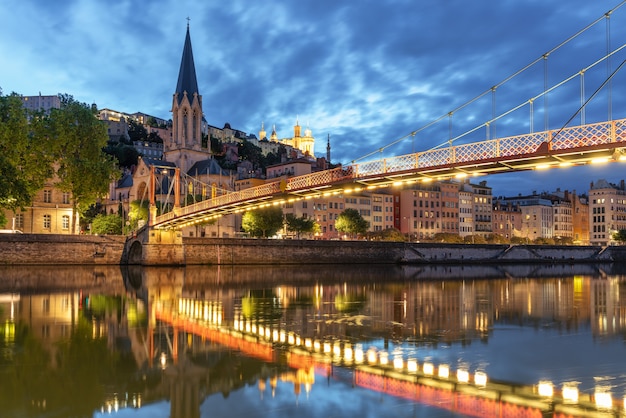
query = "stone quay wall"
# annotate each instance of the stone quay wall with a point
(24, 249)
(249, 251)
(45, 249)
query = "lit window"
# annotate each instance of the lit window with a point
(47, 221)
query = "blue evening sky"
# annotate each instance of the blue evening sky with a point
(366, 72)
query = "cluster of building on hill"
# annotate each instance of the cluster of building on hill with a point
(421, 212)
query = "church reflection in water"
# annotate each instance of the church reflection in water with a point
(181, 335)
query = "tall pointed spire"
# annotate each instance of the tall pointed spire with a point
(187, 81)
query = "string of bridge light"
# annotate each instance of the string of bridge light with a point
(544, 57)
(344, 352)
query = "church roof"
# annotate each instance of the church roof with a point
(161, 163)
(187, 81)
(208, 166)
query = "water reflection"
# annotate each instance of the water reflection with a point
(85, 341)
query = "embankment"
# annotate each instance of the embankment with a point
(39, 249)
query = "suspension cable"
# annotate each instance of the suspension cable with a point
(505, 80)
(604, 83)
(531, 100)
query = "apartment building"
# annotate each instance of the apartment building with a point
(607, 211)
(506, 219)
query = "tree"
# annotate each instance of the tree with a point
(351, 222)
(79, 138)
(620, 236)
(25, 157)
(107, 225)
(301, 225)
(262, 222)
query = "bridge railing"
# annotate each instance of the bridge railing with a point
(589, 135)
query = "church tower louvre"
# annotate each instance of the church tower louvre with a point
(185, 146)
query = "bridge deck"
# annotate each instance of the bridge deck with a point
(577, 145)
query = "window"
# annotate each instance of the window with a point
(19, 220)
(47, 196)
(47, 221)
(66, 198)
(66, 222)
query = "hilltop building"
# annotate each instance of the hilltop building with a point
(305, 144)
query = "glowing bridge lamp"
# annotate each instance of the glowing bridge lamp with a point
(480, 378)
(371, 356)
(268, 333)
(570, 392)
(359, 357)
(317, 345)
(275, 335)
(428, 369)
(384, 358)
(545, 388)
(398, 363)
(261, 330)
(254, 328)
(348, 353)
(308, 343)
(443, 371)
(298, 340)
(462, 375)
(603, 399)
(411, 365)
(337, 349)
(291, 339)
(248, 327)
(283, 336)
(326, 347)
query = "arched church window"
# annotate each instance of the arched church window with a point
(185, 121)
(194, 127)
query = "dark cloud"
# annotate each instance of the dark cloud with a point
(367, 73)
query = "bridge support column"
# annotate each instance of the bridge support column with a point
(156, 247)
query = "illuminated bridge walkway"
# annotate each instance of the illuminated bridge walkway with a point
(577, 145)
(461, 391)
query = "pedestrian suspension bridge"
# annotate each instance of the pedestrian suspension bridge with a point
(574, 142)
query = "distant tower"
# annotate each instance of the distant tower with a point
(262, 133)
(185, 147)
(328, 150)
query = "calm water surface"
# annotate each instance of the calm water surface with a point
(223, 342)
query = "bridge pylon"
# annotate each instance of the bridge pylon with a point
(155, 247)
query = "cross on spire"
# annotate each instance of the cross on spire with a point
(188, 19)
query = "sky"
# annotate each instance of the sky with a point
(365, 73)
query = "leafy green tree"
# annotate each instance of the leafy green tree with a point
(262, 222)
(84, 169)
(620, 236)
(351, 222)
(301, 225)
(250, 152)
(25, 155)
(447, 237)
(139, 211)
(136, 131)
(107, 225)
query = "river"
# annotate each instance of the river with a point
(287, 341)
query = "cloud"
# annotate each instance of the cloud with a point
(367, 73)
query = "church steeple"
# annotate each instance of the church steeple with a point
(187, 81)
(185, 146)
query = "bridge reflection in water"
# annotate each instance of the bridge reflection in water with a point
(462, 390)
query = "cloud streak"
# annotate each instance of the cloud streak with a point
(366, 73)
